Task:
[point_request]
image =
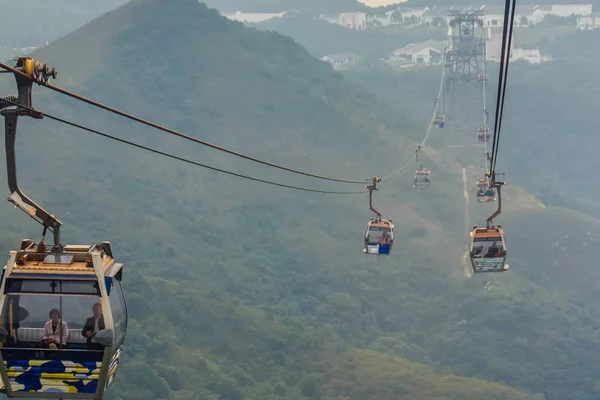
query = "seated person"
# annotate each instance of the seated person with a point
(384, 238)
(92, 326)
(52, 331)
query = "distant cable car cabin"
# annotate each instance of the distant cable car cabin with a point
(438, 121)
(483, 134)
(485, 193)
(379, 236)
(483, 78)
(422, 179)
(64, 315)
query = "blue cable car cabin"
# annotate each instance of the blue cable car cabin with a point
(64, 320)
(379, 237)
(488, 250)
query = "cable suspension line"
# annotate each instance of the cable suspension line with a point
(44, 82)
(507, 31)
(429, 127)
(8, 101)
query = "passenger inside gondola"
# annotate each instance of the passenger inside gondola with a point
(93, 325)
(384, 239)
(490, 248)
(53, 332)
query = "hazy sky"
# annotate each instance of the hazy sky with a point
(377, 3)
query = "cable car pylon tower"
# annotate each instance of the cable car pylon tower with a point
(465, 66)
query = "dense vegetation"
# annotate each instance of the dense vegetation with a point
(238, 291)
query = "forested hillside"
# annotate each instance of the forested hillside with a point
(241, 291)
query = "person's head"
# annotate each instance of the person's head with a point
(97, 309)
(54, 315)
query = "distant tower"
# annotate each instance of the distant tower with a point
(466, 51)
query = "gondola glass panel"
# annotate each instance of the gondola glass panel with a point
(379, 239)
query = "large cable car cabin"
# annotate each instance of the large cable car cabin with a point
(488, 250)
(65, 320)
(63, 310)
(379, 236)
(487, 245)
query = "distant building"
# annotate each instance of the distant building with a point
(340, 59)
(494, 46)
(332, 19)
(525, 15)
(539, 13)
(429, 52)
(258, 17)
(589, 22)
(435, 16)
(411, 14)
(566, 10)
(494, 16)
(353, 20)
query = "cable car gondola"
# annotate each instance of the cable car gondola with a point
(379, 236)
(75, 288)
(485, 193)
(422, 179)
(483, 134)
(438, 121)
(487, 248)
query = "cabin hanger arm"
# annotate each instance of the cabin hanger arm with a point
(38, 72)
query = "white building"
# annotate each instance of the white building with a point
(332, 19)
(566, 10)
(589, 22)
(429, 52)
(539, 13)
(435, 16)
(255, 18)
(353, 20)
(411, 14)
(340, 59)
(494, 16)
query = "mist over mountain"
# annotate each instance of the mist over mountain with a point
(238, 290)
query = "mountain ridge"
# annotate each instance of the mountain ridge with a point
(241, 256)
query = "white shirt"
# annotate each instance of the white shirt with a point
(50, 334)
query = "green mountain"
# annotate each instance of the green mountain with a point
(241, 291)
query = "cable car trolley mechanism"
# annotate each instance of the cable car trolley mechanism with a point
(379, 236)
(487, 247)
(63, 309)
